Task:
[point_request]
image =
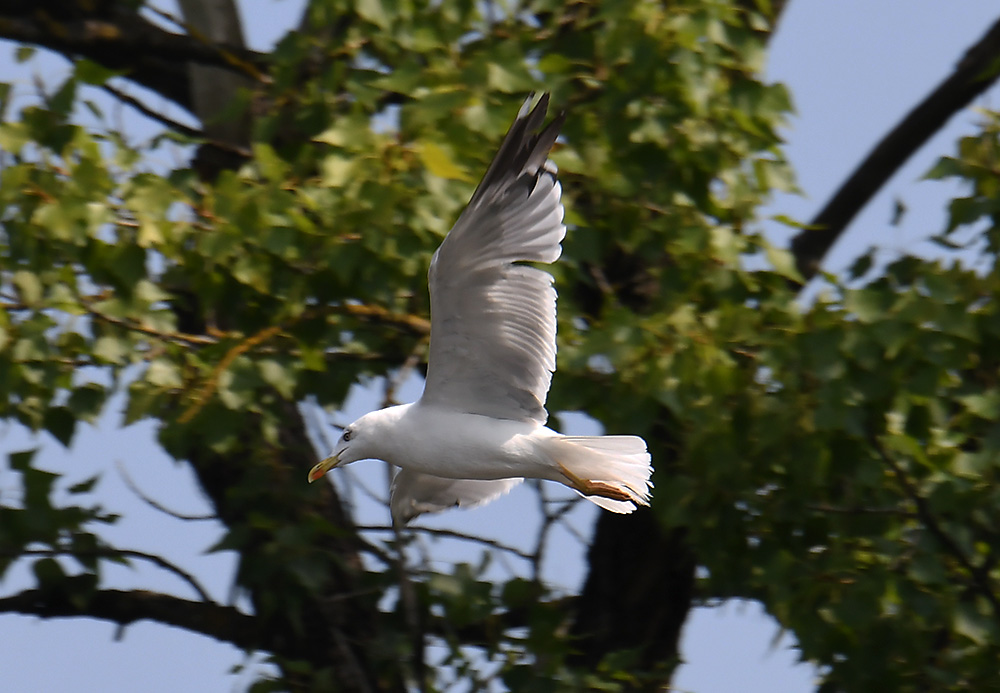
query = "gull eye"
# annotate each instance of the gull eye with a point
(347, 435)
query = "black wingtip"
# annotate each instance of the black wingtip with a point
(525, 147)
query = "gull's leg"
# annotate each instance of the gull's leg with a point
(594, 488)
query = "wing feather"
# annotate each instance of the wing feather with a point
(414, 493)
(493, 322)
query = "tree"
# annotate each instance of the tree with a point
(836, 462)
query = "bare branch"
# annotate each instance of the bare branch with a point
(550, 518)
(395, 381)
(151, 114)
(156, 505)
(977, 70)
(491, 543)
(413, 611)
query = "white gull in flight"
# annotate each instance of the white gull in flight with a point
(479, 427)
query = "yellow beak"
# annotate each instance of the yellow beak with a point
(323, 467)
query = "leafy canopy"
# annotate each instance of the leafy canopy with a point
(837, 461)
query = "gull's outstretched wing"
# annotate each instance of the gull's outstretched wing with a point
(414, 493)
(493, 322)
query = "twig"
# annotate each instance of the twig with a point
(551, 518)
(134, 488)
(543, 532)
(412, 612)
(412, 323)
(227, 53)
(355, 481)
(151, 114)
(392, 384)
(375, 551)
(433, 531)
(178, 337)
(859, 510)
(210, 386)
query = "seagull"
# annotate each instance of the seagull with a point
(479, 429)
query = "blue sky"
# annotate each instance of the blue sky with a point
(854, 68)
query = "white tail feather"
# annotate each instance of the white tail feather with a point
(621, 462)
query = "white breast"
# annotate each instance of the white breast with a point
(466, 446)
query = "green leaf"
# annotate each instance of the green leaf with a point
(111, 349)
(13, 137)
(271, 166)
(21, 461)
(24, 53)
(5, 89)
(985, 405)
(61, 102)
(85, 486)
(870, 304)
(164, 373)
(85, 402)
(149, 234)
(336, 170)
(508, 78)
(89, 72)
(783, 263)
(438, 162)
(29, 287)
(149, 292)
(61, 423)
(946, 167)
(48, 572)
(373, 11)
(279, 376)
(974, 622)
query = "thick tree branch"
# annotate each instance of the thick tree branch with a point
(978, 69)
(637, 595)
(223, 623)
(121, 39)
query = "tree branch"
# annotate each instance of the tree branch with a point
(121, 39)
(223, 623)
(152, 114)
(452, 534)
(111, 552)
(977, 70)
(151, 502)
(372, 313)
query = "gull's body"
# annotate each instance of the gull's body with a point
(479, 447)
(479, 427)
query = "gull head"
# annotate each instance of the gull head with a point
(359, 441)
